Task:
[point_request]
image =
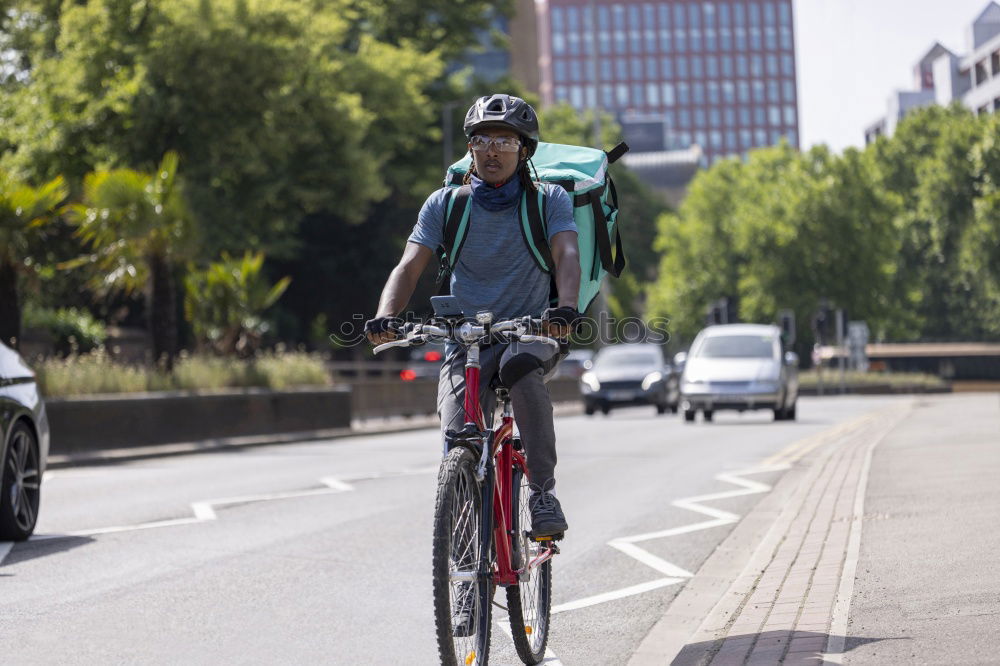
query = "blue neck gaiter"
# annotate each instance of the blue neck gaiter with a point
(496, 198)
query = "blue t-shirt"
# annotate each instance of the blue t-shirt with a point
(496, 271)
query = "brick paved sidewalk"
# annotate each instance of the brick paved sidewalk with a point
(789, 606)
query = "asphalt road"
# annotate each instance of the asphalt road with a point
(319, 552)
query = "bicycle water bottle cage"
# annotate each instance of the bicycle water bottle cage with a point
(469, 436)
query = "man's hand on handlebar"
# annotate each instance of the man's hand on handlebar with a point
(560, 322)
(383, 329)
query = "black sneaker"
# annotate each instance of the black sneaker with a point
(463, 621)
(547, 518)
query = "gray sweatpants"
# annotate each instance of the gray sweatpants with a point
(529, 398)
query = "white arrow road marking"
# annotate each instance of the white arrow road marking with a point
(675, 574)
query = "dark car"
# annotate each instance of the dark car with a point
(577, 362)
(631, 374)
(24, 435)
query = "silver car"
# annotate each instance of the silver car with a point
(24, 446)
(741, 367)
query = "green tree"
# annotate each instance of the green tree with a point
(23, 211)
(225, 303)
(139, 229)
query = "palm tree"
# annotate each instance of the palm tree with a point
(139, 229)
(23, 210)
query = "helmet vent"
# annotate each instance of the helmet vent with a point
(496, 106)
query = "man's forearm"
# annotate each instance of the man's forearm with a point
(397, 293)
(568, 277)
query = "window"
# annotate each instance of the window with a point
(727, 66)
(591, 70)
(995, 62)
(789, 114)
(774, 115)
(739, 16)
(784, 15)
(741, 65)
(649, 19)
(787, 65)
(744, 116)
(759, 116)
(770, 36)
(621, 95)
(682, 93)
(558, 43)
(728, 92)
(793, 138)
(591, 96)
(621, 68)
(575, 71)
(788, 87)
(696, 69)
(715, 137)
(981, 74)
(713, 92)
(725, 39)
(775, 137)
(557, 19)
(618, 20)
(754, 26)
(604, 28)
(756, 66)
(709, 22)
(758, 91)
(576, 96)
(607, 96)
(769, 18)
(638, 95)
(560, 70)
(701, 139)
(760, 137)
(664, 11)
(684, 138)
(744, 91)
(668, 94)
(667, 67)
(731, 141)
(712, 66)
(772, 91)
(714, 118)
(730, 117)
(695, 27)
(605, 70)
(653, 94)
(682, 67)
(772, 65)
(669, 118)
(786, 38)
(636, 68)
(684, 118)
(698, 93)
(680, 18)
(573, 30)
(561, 93)
(652, 69)
(634, 22)
(745, 139)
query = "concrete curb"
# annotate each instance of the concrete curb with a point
(378, 427)
(695, 627)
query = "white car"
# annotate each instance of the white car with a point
(741, 367)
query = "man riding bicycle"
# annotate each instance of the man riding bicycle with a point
(496, 273)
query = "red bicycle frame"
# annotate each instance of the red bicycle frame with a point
(505, 457)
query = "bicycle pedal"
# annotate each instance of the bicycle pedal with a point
(547, 537)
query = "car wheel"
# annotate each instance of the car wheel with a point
(707, 415)
(589, 410)
(605, 409)
(689, 415)
(790, 414)
(674, 408)
(779, 414)
(661, 409)
(20, 483)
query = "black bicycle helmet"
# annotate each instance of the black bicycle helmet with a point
(504, 111)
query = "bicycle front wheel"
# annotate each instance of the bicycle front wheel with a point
(462, 590)
(530, 601)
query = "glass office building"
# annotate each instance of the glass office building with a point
(719, 74)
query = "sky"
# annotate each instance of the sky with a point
(851, 54)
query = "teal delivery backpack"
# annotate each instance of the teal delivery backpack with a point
(583, 173)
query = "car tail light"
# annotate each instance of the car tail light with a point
(407, 375)
(432, 356)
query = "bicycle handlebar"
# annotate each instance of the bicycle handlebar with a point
(468, 333)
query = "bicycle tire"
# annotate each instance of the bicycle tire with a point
(529, 603)
(457, 549)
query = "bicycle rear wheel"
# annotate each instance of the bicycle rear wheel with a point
(462, 590)
(530, 601)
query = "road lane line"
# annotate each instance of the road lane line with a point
(650, 560)
(796, 450)
(5, 547)
(550, 657)
(614, 595)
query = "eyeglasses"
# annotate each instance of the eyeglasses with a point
(505, 144)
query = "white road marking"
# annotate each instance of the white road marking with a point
(550, 657)
(675, 574)
(5, 547)
(838, 623)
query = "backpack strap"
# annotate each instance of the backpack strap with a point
(533, 228)
(614, 265)
(456, 227)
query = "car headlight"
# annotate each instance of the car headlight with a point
(651, 379)
(589, 380)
